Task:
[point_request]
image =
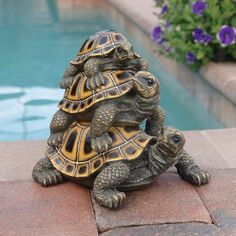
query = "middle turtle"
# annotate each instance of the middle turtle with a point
(136, 98)
(103, 51)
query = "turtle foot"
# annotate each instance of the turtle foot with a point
(55, 139)
(49, 177)
(66, 82)
(95, 82)
(195, 176)
(101, 143)
(110, 198)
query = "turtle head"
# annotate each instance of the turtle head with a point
(146, 84)
(170, 142)
(124, 52)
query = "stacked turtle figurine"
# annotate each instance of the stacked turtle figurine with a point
(95, 136)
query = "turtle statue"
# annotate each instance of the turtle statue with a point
(125, 100)
(105, 50)
(133, 161)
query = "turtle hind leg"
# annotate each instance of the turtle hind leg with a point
(45, 174)
(190, 172)
(104, 189)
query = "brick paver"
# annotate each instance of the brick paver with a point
(169, 200)
(204, 153)
(220, 198)
(29, 209)
(167, 206)
(188, 229)
(224, 141)
(18, 159)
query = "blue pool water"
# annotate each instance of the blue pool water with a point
(37, 40)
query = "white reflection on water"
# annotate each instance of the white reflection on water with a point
(26, 112)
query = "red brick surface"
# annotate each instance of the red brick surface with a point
(187, 229)
(224, 141)
(220, 198)
(166, 208)
(202, 150)
(18, 159)
(169, 200)
(29, 209)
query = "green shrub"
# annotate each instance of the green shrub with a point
(196, 32)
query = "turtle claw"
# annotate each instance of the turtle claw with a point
(66, 82)
(50, 177)
(196, 176)
(112, 199)
(101, 143)
(95, 82)
(55, 139)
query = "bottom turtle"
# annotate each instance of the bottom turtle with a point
(134, 160)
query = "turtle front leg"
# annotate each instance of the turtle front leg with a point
(102, 120)
(155, 122)
(45, 174)
(105, 184)
(92, 69)
(60, 122)
(143, 64)
(190, 172)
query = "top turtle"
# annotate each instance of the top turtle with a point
(105, 50)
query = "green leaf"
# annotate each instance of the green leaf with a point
(200, 55)
(233, 21)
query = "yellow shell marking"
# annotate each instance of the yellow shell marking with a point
(75, 157)
(78, 98)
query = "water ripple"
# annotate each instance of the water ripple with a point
(26, 113)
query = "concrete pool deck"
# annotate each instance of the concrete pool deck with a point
(169, 207)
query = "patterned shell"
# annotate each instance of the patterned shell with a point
(78, 98)
(76, 158)
(99, 45)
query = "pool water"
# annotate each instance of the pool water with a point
(38, 39)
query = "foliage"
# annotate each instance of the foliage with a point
(197, 31)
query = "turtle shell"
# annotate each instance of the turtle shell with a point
(99, 45)
(75, 157)
(78, 98)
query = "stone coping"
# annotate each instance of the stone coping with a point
(222, 76)
(169, 207)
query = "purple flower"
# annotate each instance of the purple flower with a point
(207, 39)
(198, 34)
(226, 35)
(190, 57)
(157, 34)
(161, 41)
(164, 9)
(198, 7)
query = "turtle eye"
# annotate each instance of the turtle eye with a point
(176, 139)
(119, 49)
(150, 82)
